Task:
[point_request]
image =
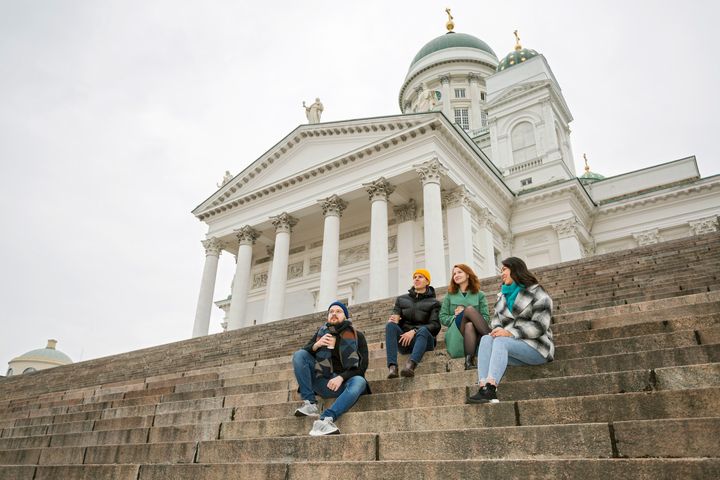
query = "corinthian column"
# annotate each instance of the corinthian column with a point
(246, 236)
(378, 192)
(430, 173)
(207, 287)
(406, 216)
(332, 207)
(459, 226)
(275, 299)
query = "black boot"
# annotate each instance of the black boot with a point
(468, 362)
(409, 370)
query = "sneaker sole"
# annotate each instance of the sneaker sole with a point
(298, 413)
(480, 402)
(322, 434)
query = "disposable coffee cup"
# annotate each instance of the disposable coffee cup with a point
(331, 346)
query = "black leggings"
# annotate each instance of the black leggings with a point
(472, 327)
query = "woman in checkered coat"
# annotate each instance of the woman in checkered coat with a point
(520, 333)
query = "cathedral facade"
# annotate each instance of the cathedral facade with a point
(478, 166)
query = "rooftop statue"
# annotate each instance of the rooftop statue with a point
(226, 178)
(314, 111)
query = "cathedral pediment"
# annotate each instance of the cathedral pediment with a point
(312, 151)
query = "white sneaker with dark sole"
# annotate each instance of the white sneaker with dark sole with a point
(324, 426)
(307, 409)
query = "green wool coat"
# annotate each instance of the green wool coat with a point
(453, 337)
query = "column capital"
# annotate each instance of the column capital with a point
(648, 237)
(406, 212)
(333, 206)
(431, 171)
(379, 189)
(484, 217)
(566, 228)
(419, 89)
(457, 197)
(444, 79)
(472, 77)
(284, 222)
(247, 235)
(704, 225)
(212, 246)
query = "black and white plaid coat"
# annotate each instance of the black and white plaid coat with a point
(529, 319)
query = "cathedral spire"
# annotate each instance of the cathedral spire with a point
(450, 25)
(518, 47)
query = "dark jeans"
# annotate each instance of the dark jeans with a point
(422, 342)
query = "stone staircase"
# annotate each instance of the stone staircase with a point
(634, 392)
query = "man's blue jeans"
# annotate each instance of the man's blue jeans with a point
(496, 353)
(311, 383)
(422, 342)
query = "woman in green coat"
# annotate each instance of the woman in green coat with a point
(465, 312)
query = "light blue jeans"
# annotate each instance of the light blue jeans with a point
(312, 383)
(496, 353)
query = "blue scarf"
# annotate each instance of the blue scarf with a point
(510, 292)
(346, 342)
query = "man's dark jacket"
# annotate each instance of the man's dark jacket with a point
(337, 362)
(418, 310)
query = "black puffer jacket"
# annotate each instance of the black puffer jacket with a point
(418, 310)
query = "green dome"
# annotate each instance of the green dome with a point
(590, 177)
(452, 40)
(46, 354)
(515, 57)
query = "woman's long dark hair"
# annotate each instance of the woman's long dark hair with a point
(473, 280)
(519, 271)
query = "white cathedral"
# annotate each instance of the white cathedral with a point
(477, 167)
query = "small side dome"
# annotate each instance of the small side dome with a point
(588, 176)
(517, 56)
(39, 359)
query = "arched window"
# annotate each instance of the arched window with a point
(29, 370)
(523, 142)
(9, 372)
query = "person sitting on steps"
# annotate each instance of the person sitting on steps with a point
(333, 365)
(413, 325)
(521, 333)
(464, 311)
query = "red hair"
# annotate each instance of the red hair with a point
(473, 280)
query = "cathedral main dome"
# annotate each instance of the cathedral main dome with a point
(452, 40)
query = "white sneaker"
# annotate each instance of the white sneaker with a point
(324, 426)
(307, 409)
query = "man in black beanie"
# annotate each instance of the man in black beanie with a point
(332, 365)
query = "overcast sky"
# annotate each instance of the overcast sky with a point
(119, 117)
